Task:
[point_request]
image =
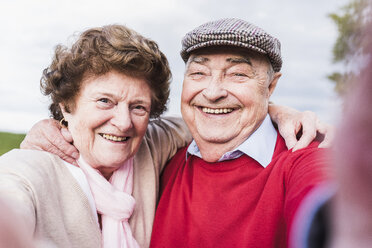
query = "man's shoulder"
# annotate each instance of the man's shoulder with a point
(313, 146)
(310, 153)
(178, 160)
(180, 155)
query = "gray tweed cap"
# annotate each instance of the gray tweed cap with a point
(233, 32)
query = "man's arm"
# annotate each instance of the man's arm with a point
(48, 135)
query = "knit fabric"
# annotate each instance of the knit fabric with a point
(233, 32)
(115, 203)
(47, 197)
(235, 203)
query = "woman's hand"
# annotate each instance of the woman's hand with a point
(47, 135)
(290, 122)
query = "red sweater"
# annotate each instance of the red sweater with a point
(235, 203)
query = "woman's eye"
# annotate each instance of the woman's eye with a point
(104, 100)
(140, 109)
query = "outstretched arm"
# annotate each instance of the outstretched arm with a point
(13, 232)
(290, 122)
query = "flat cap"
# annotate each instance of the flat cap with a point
(233, 32)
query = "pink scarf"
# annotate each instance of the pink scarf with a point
(114, 202)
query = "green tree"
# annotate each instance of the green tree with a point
(348, 49)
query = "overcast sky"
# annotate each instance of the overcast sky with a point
(31, 29)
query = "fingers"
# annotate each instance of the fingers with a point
(66, 135)
(291, 121)
(34, 138)
(309, 131)
(290, 140)
(61, 152)
(288, 132)
(59, 146)
(287, 121)
(47, 136)
(329, 134)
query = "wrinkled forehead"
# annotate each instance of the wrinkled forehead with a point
(232, 54)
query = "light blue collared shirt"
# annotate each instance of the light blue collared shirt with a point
(259, 146)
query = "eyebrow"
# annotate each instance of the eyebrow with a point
(199, 59)
(140, 101)
(240, 60)
(233, 60)
(113, 95)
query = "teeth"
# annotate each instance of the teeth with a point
(114, 138)
(217, 111)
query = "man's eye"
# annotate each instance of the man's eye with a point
(240, 75)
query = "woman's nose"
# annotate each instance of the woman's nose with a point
(122, 118)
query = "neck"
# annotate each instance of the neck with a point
(106, 175)
(104, 170)
(212, 152)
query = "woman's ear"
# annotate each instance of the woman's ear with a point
(66, 114)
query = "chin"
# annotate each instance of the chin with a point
(216, 139)
(111, 161)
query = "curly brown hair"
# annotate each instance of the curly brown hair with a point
(98, 51)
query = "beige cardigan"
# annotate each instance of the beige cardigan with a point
(43, 192)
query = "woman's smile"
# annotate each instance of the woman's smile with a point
(114, 137)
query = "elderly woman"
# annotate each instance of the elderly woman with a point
(103, 89)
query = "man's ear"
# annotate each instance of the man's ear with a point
(273, 82)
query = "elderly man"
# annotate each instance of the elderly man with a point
(236, 184)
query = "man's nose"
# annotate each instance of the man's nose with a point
(122, 118)
(215, 90)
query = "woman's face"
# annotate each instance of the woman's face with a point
(109, 119)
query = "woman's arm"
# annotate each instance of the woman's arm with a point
(165, 136)
(13, 231)
(300, 128)
(17, 211)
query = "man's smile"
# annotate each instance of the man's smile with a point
(216, 110)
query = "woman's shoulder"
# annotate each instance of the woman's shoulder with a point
(29, 162)
(27, 156)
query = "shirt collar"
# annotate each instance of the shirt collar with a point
(259, 146)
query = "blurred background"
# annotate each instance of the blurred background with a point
(309, 31)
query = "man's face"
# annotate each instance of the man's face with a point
(225, 97)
